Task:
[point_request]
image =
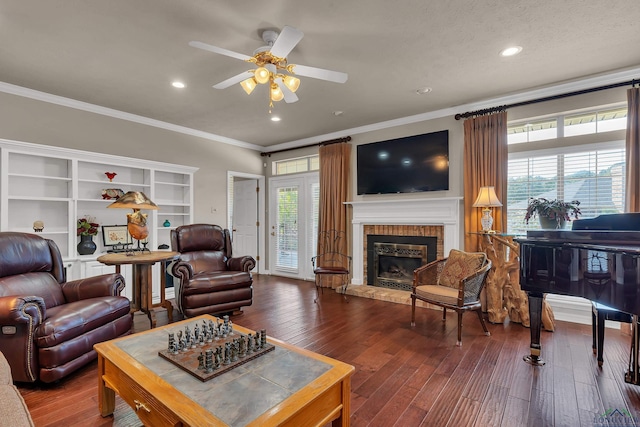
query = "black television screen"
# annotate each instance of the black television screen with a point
(404, 165)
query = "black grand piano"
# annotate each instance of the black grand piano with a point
(598, 259)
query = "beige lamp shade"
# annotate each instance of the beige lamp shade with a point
(136, 221)
(487, 198)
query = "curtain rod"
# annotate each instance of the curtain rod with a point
(329, 142)
(547, 98)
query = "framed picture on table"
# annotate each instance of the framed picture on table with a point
(115, 235)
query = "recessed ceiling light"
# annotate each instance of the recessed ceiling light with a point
(178, 84)
(275, 119)
(423, 90)
(338, 113)
(510, 51)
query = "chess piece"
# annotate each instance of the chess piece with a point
(263, 338)
(249, 344)
(227, 353)
(242, 351)
(208, 364)
(201, 361)
(172, 340)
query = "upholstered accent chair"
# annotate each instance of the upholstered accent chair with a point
(452, 283)
(211, 280)
(49, 325)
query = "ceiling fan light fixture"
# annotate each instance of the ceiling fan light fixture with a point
(293, 83)
(262, 75)
(249, 85)
(276, 93)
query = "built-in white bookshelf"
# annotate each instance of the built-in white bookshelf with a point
(58, 185)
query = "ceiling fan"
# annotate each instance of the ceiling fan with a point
(272, 67)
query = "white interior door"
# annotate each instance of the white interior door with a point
(245, 218)
(292, 221)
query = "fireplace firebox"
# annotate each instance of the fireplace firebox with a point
(392, 259)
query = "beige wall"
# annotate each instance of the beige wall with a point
(28, 120)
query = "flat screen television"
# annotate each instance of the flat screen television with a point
(404, 165)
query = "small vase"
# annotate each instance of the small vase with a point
(86, 245)
(551, 224)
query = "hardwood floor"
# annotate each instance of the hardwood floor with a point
(407, 376)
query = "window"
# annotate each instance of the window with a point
(584, 123)
(533, 131)
(298, 165)
(592, 174)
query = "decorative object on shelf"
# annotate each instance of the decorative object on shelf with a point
(38, 226)
(111, 193)
(86, 229)
(115, 235)
(553, 214)
(136, 221)
(110, 175)
(166, 223)
(487, 199)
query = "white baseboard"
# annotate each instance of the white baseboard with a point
(574, 309)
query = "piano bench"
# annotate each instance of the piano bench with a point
(600, 313)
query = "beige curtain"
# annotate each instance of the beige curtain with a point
(485, 164)
(633, 151)
(335, 160)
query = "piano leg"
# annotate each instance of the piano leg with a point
(632, 375)
(535, 318)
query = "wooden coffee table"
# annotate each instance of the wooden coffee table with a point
(288, 386)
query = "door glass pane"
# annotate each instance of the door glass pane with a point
(287, 229)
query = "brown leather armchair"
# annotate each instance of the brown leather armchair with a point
(211, 280)
(49, 325)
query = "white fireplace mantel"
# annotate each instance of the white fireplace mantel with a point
(443, 211)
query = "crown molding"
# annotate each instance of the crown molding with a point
(572, 86)
(558, 89)
(92, 108)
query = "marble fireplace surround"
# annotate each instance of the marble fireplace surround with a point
(443, 212)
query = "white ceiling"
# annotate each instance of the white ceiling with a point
(123, 55)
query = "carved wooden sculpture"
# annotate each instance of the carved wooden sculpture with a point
(504, 295)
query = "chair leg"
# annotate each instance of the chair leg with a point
(345, 285)
(594, 333)
(459, 343)
(413, 310)
(484, 325)
(600, 337)
(444, 314)
(318, 283)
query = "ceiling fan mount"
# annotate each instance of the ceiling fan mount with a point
(272, 66)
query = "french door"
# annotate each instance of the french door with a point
(293, 218)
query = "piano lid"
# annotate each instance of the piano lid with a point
(595, 237)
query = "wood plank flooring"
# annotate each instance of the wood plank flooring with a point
(407, 376)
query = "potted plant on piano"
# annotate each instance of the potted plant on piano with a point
(553, 214)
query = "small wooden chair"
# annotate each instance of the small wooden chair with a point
(331, 261)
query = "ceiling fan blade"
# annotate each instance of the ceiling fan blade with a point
(233, 80)
(219, 50)
(319, 73)
(289, 97)
(288, 39)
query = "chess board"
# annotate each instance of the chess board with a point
(188, 360)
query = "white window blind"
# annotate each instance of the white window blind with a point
(594, 176)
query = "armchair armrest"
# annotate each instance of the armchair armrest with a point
(244, 263)
(428, 274)
(92, 287)
(182, 270)
(22, 309)
(471, 286)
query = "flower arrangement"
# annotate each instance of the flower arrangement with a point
(557, 210)
(87, 227)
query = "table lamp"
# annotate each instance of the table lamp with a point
(136, 221)
(487, 199)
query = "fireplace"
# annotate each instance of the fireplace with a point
(438, 217)
(392, 259)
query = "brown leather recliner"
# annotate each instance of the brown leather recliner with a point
(211, 280)
(49, 325)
